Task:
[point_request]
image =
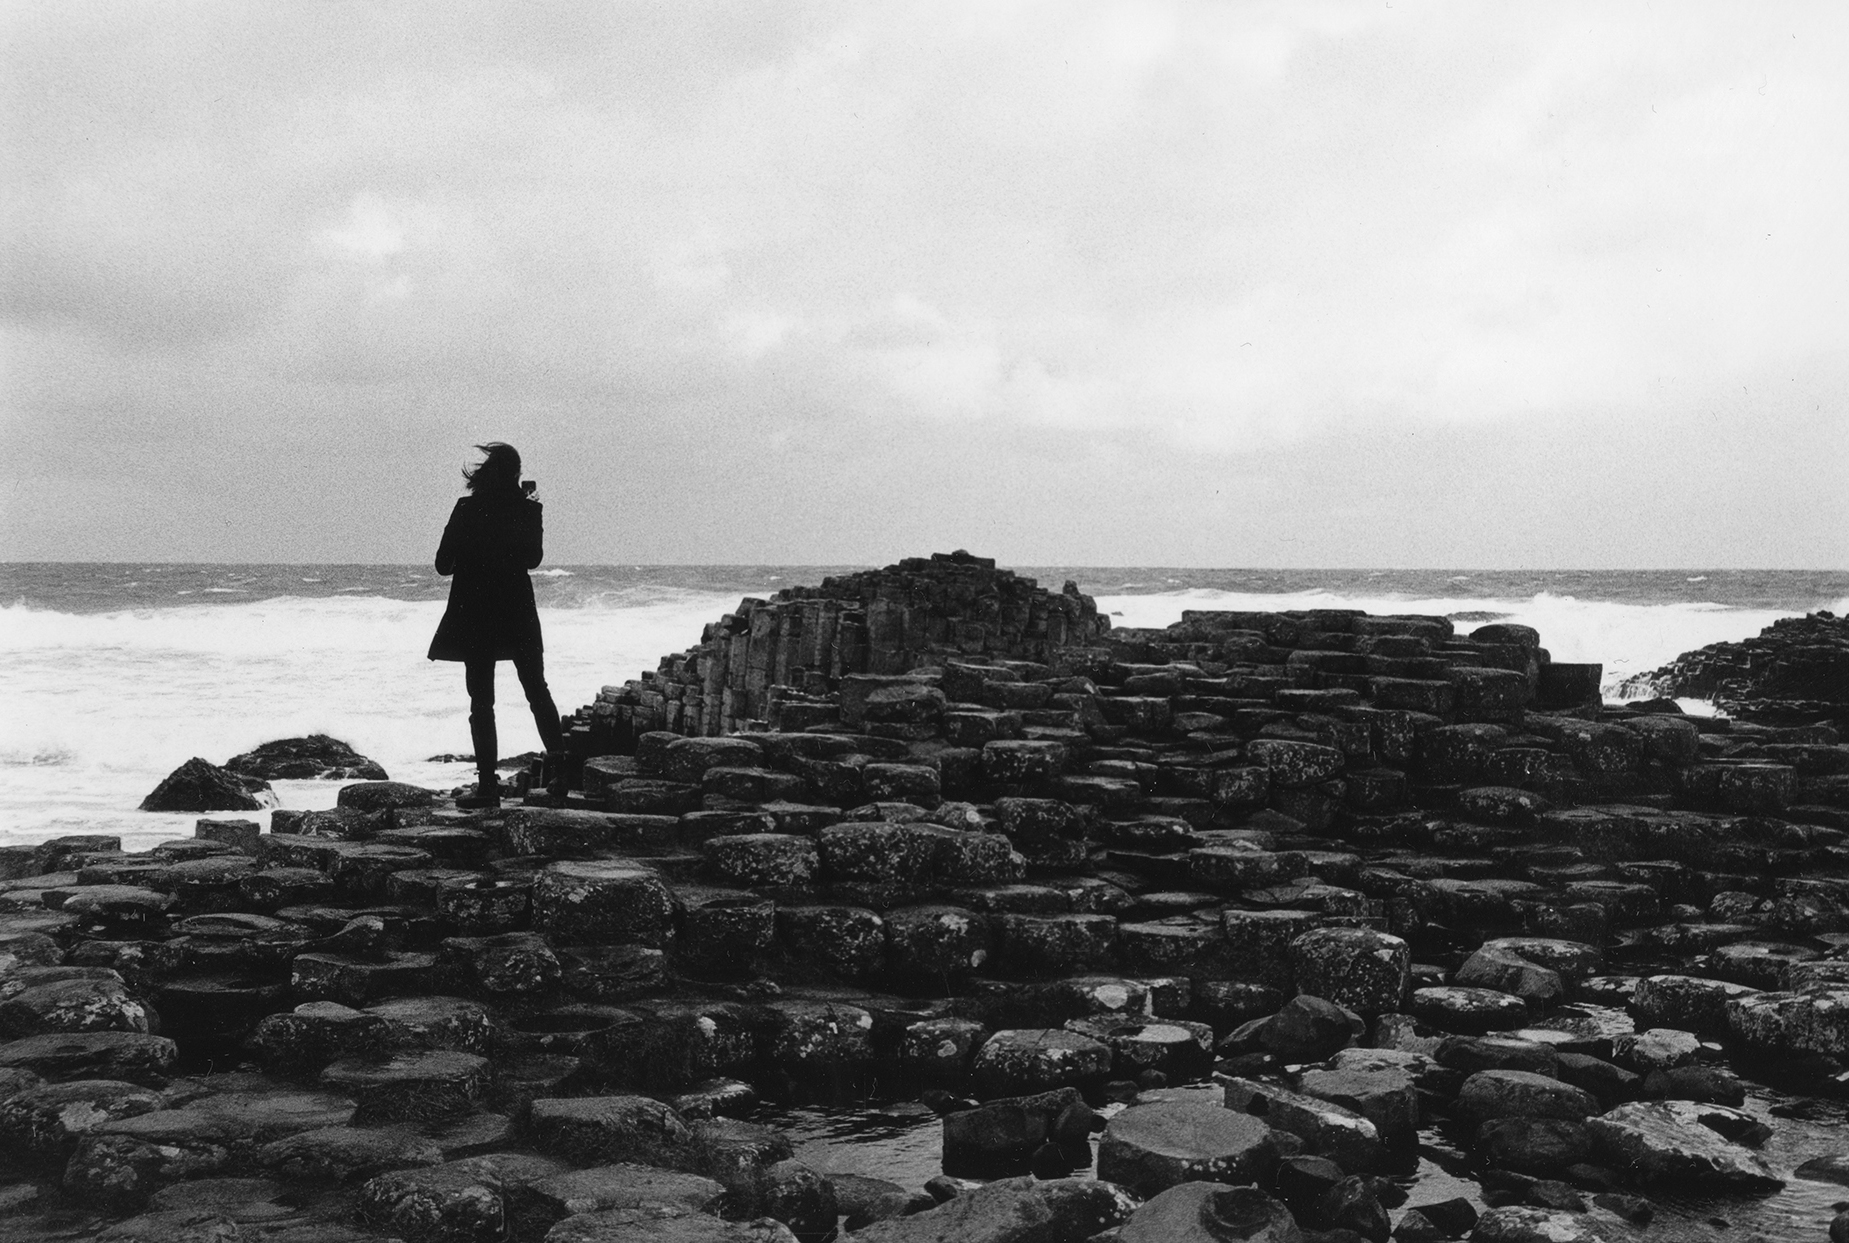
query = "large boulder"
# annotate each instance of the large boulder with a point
(200, 785)
(1014, 1210)
(1211, 1212)
(999, 1137)
(1306, 1029)
(1533, 1145)
(1683, 1142)
(1517, 1223)
(1492, 1094)
(1498, 967)
(314, 758)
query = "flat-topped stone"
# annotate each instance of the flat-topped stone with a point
(1150, 1148)
(605, 902)
(134, 1056)
(1020, 1061)
(411, 1086)
(593, 1129)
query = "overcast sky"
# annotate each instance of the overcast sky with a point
(1242, 284)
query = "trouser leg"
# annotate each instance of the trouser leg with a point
(480, 679)
(532, 670)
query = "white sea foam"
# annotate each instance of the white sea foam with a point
(97, 707)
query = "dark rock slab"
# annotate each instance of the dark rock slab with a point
(412, 1086)
(1015, 1210)
(1210, 1212)
(384, 795)
(200, 785)
(47, 1121)
(134, 1056)
(474, 1200)
(611, 1128)
(1018, 1061)
(1681, 1142)
(656, 1224)
(346, 1153)
(314, 758)
(68, 999)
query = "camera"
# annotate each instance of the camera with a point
(529, 486)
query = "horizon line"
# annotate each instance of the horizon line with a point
(1030, 565)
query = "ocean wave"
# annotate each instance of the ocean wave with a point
(101, 705)
(35, 758)
(1625, 638)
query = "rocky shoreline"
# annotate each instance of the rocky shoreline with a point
(1230, 930)
(1795, 671)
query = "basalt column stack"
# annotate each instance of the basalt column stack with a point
(778, 663)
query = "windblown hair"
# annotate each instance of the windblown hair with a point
(498, 471)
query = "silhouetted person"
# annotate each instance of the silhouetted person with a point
(493, 538)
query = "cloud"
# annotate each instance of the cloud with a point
(639, 234)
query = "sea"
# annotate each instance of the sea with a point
(112, 675)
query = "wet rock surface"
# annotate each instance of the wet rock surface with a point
(1795, 670)
(924, 905)
(314, 758)
(200, 785)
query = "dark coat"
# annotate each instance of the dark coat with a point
(489, 545)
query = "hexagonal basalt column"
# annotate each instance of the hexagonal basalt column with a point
(1150, 1148)
(930, 946)
(722, 931)
(603, 903)
(817, 1039)
(778, 862)
(1014, 1062)
(1260, 942)
(848, 941)
(1365, 970)
(415, 1086)
(1023, 763)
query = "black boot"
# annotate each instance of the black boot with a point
(487, 793)
(552, 765)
